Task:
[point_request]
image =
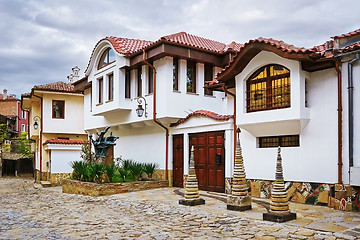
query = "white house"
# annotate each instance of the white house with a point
(284, 96)
(166, 78)
(297, 98)
(56, 126)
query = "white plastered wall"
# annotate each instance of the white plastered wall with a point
(316, 158)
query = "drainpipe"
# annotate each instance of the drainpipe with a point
(234, 120)
(40, 132)
(154, 116)
(340, 163)
(351, 108)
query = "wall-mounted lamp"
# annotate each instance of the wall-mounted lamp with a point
(140, 110)
(36, 120)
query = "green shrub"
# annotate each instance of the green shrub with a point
(117, 178)
(110, 171)
(126, 175)
(80, 170)
(95, 172)
(149, 168)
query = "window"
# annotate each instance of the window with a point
(100, 90)
(282, 141)
(268, 88)
(23, 128)
(191, 77)
(306, 93)
(127, 83)
(151, 79)
(175, 74)
(106, 58)
(139, 82)
(208, 77)
(23, 114)
(110, 86)
(58, 108)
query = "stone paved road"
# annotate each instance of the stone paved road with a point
(46, 213)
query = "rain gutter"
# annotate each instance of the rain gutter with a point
(154, 116)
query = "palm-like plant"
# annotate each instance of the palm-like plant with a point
(95, 172)
(149, 168)
(80, 170)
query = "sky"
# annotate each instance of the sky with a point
(42, 40)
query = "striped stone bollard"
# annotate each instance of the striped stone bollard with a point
(191, 189)
(239, 199)
(279, 204)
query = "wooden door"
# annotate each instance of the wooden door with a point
(178, 160)
(209, 157)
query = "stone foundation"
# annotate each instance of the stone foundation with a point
(95, 189)
(160, 174)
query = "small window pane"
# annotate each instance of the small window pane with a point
(282, 141)
(191, 77)
(127, 83)
(175, 74)
(111, 87)
(208, 77)
(58, 109)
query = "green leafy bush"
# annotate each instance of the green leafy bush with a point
(149, 168)
(80, 171)
(95, 172)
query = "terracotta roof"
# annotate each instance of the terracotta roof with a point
(9, 97)
(196, 41)
(202, 113)
(349, 34)
(285, 47)
(352, 47)
(126, 45)
(64, 141)
(25, 95)
(56, 87)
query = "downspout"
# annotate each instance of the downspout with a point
(154, 116)
(40, 132)
(340, 163)
(351, 108)
(234, 120)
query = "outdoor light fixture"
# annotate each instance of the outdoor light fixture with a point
(140, 110)
(36, 119)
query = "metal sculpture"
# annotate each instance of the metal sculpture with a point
(102, 143)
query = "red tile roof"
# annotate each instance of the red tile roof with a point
(276, 43)
(349, 34)
(9, 97)
(126, 45)
(202, 113)
(352, 47)
(56, 87)
(64, 141)
(200, 42)
(281, 45)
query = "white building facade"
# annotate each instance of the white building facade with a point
(276, 93)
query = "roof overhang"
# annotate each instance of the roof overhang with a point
(309, 60)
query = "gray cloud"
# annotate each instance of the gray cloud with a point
(41, 40)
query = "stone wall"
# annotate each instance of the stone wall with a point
(95, 189)
(337, 196)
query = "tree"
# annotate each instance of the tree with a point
(86, 154)
(24, 147)
(3, 132)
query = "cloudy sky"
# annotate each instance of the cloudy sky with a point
(41, 40)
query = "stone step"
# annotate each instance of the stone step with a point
(45, 183)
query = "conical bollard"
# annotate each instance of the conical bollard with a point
(191, 189)
(279, 205)
(239, 199)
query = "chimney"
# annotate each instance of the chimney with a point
(5, 94)
(75, 75)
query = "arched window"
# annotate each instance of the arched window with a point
(107, 57)
(268, 88)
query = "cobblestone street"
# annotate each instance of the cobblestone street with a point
(27, 212)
